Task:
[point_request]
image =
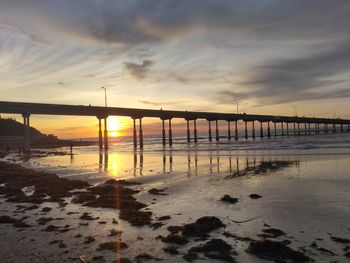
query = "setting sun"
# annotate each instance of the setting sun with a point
(114, 126)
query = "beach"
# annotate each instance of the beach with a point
(219, 203)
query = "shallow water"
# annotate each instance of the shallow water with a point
(224, 157)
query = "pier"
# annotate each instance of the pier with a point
(166, 117)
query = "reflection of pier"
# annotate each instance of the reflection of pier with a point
(193, 164)
(305, 125)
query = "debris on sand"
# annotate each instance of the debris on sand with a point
(113, 246)
(212, 245)
(113, 194)
(46, 209)
(255, 196)
(176, 239)
(157, 225)
(229, 199)
(44, 220)
(272, 233)
(174, 229)
(15, 222)
(89, 239)
(215, 249)
(17, 178)
(155, 191)
(53, 228)
(341, 240)
(276, 251)
(263, 168)
(202, 226)
(114, 232)
(322, 249)
(145, 257)
(190, 256)
(171, 250)
(240, 238)
(88, 217)
(162, 218)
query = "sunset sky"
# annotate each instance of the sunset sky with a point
(195, 54)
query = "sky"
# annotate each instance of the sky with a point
(271, 56)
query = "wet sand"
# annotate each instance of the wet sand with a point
(270, 211)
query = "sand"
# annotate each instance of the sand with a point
(301, 211)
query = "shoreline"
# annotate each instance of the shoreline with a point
(253, 230)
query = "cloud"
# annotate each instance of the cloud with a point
(139, 71)
(162, 103)
(313, 77)
(64, 84)
(138, 21)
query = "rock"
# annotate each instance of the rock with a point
(202, 226)
(255, 196)
(155, 191)
(171, 250)
(113, 246)
(190, 256)
(114, 232)
(273, 232)
(174, 229)
(229, 199)
(86, 216)
(162, 218)
(212, 245)
(276, 251)
(341, 240)
(176, 239)
(89, 239)
(15, 222)
(143, 257)
(46, 209)
(219, 256)
(44, 220)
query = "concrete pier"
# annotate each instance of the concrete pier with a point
(100, 139)
(28, 109)
(26, 132)
(163, 133)
(236, 130)
(140, 133)
(105, 135)
(294, 130)
(209, 131)
(195, 130)
(217, 136)
(228, 130)
(253, 130)
(188, 131)
(134, 133)
(309, 128)
(170, 134)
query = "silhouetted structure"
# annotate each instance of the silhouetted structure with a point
(27, 109)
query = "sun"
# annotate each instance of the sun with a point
(114, 126)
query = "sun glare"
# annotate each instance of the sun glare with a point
(114, 126)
